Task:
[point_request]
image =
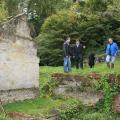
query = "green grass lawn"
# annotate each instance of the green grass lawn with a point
(41, 106)
(99, 68)
(37, 107)
(46, 71)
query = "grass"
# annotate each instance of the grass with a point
(2, 117)
(42, 106)
(100, 68)
(46, 71)
(37, 107)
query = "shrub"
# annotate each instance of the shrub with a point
(94, 116)
(92, 28)
(60, 25)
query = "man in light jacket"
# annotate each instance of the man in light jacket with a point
(111, 52)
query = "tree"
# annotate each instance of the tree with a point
(39, 10)
(15, 7)
(93, 29)
(12, 7)
(53, 31)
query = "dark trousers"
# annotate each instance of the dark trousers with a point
(79, 62)
(91, 63)
(91, 66)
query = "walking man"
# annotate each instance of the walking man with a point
(111, 52)
(78, 53)
(66, 50)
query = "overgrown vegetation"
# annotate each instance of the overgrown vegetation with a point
(92, 21)
(68, 107)
(110, 90)
(102, 110)
(79, 112)
(3, 11)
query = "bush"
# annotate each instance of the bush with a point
(55, 28)
(94, 116)
(51, 40)
(71, 112)
(93, 29)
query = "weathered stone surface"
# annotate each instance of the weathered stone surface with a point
(80, 87)
(95, 76)
(19, 64)
(116, 104)
(18, 94)
(114, 79)
(77, 86)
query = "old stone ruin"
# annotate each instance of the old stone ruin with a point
(83, 88)
(19, 64)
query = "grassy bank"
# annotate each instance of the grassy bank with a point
(46, 71)
(42, 106)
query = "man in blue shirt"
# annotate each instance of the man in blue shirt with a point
(111, 52)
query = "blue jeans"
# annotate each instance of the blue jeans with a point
(67, 64)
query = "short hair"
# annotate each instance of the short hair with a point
(66, 37)
(111, 38)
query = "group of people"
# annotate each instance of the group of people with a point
(111, 52)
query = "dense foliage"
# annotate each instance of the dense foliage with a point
(47, 103)
(3, 12)
(101, 111)
(77, 111)
(92, 22)
(39, 10)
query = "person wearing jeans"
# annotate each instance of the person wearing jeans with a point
(67, 60)
(111, 52)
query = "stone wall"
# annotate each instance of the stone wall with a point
(19, 64)
(80, 87)
(84, 88)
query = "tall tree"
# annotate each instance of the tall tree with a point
(12, 7)
(97, 5)
(39, 10)
(15, 7)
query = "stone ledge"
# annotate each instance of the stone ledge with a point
(18, 94)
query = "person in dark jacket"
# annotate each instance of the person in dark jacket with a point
(111, 52)
(67, 60)
(91, 60)
(78, 53)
